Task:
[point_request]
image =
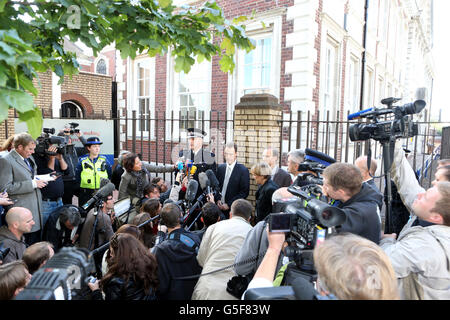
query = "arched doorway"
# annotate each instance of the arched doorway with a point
(70, 109)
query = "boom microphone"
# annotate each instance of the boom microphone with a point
(191, 192)
(359, 114)
(212, 179)
(204, 181)
(101, 193)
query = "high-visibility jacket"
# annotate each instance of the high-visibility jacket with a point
(92, 173)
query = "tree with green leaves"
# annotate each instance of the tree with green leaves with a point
(32, 36)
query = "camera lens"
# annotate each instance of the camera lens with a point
(326, 215)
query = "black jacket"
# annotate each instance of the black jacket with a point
(56, 233)
(264, 199)
(176, 259)
(362, 214)
(238, 185)
(282, 178)
(118, 289)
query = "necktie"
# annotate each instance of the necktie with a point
(225, 183)
(28, 164)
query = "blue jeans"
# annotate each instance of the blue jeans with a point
(48, 207)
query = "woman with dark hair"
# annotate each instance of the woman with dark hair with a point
(125, 228)
(137, 176)
(149, 209)
(132, 273)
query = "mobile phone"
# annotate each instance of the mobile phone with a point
(281, 222)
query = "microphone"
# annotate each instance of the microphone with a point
(180, 166)
(101, 193)
(212, 179)
(193, 170)
(191, 192)
(304, 289)
(204, 182)
(359, 114)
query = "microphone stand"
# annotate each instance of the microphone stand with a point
(192, 209)
(94, 231)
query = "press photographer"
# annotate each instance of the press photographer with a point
(348, 266)
(387, 132)
(71, 157)
(64, 277)
(52, 162)
(343, 185)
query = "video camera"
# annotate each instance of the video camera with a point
(401, 127)
(64, 277)
(315, 162)
(46, 140)
(72, 128)
(306, 218)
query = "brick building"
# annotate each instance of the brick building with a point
(86, 95)
(309, 55)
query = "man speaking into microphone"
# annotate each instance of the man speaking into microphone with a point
(199, 157)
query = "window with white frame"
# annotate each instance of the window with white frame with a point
(193, 94)
(380, 90)
(144, 94)
(257, 66)
(368, 100)
(258, 71)
(101, 68)
(330, 92)
(353, 84)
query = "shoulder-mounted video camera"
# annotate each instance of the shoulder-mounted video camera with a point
(401, 126)
(47, 139)
(306, 218)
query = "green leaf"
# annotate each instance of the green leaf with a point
(2, 5)
(20, 100)
(165, 3)
(228, 46)
(27, 84)
(239, 19)
(59, 70)
(3, 109)
(226, 64)
(33, 119)
(183, 63)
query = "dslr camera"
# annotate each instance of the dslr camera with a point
(401, 126)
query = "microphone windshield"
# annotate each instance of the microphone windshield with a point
(106, 189)
(212, 179)
(193, 169)
(303, 289)
(203, 180)
(191, 191)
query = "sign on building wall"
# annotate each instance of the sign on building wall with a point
(103, 129)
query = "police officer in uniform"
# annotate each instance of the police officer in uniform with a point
(90, 170)
(202, 159)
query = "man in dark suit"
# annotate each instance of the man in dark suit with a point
(281, 177)
(234, 179)
(18, 178)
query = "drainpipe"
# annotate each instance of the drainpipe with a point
(363, 71)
